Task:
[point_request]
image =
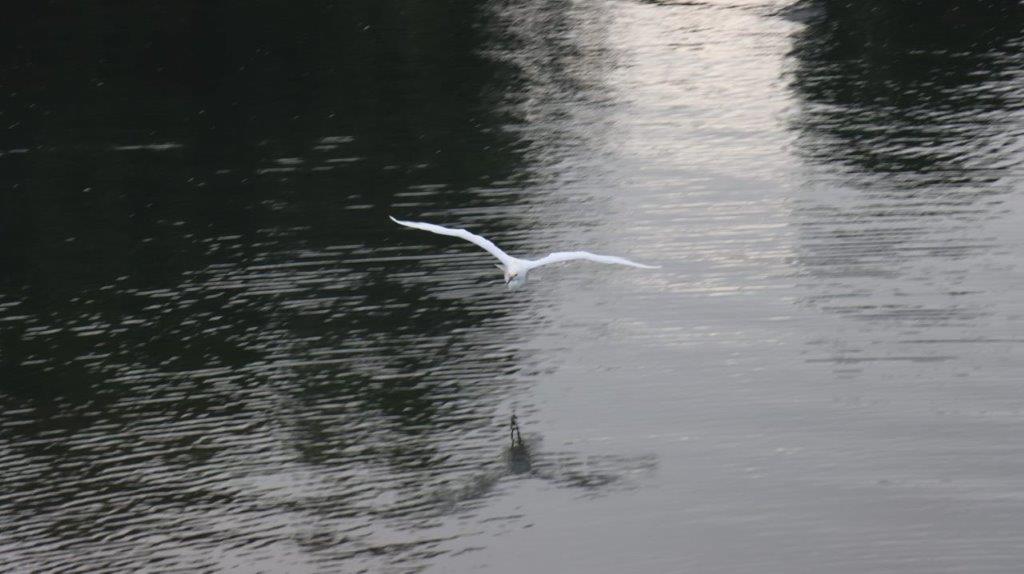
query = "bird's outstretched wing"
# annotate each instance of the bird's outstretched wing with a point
(460, 233)
(573, 255)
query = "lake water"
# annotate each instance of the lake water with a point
(218, 354)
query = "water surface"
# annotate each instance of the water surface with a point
(216, 351)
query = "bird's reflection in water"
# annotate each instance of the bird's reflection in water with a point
(524, 458)
(518, 455)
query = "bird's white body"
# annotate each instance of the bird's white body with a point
(514, 268)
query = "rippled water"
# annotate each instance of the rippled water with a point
(217, 353)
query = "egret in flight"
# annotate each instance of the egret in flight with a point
(514, 268)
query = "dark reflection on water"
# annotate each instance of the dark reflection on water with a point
(908, 122)
(906, 116)
(916, 95)
(216, 351)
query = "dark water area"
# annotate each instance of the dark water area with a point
(217, 353)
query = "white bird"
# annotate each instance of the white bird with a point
(514, 268)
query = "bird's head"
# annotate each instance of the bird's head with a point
(513, 277)
(515, 280)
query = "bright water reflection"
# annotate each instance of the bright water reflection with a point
(216, 351)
